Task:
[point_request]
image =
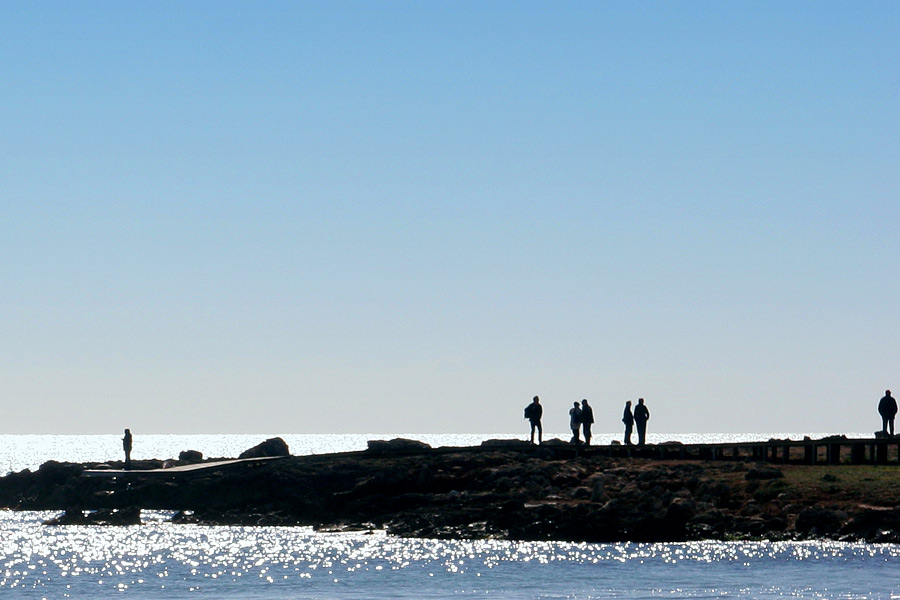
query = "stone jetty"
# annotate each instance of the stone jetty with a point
(503, 489)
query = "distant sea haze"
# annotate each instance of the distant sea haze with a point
(18, 452)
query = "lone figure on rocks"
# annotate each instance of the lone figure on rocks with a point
(126, 445)
(887, 408)
(575, 423)
(641, 416)
(587, 419)
(628, 419)
(534, 412)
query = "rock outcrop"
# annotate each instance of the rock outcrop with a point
(271, 447)
(190, 456)
(519, 492)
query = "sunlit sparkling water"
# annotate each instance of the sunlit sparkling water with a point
(162, 560)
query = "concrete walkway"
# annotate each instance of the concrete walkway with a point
(182, 469)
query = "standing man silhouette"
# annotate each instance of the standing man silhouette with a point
(533, 413)
(126, 445)
(887, 408)
(587, 419)
(641, 416)
(628, 419)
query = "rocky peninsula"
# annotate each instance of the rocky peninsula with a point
(503, 489)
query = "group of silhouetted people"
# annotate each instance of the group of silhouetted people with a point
(638, 418)
(581, 418)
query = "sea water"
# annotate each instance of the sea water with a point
(163, 560)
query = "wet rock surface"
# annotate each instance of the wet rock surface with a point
(518, 492)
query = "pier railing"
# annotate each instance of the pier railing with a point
(826, 451)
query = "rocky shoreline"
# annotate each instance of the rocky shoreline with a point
(502, 489)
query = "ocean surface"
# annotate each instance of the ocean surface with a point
(162, 560)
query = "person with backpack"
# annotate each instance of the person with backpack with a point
(534, 412)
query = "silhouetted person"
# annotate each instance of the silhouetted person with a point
(126, 445)
(587, 419)
(887, 408)
(534, 412)
(575, 423)
(628, 419)
(641, 416)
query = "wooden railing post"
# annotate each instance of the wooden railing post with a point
(857, 454)
(881, 453)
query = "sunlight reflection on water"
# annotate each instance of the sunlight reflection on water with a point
(182, 561)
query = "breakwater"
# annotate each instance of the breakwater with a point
(501, 489)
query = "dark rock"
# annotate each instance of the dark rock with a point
(761, 473)
(822, 521)
(598, 491)
(190, 456)
(506, 444)
(556, 443)
(885, 536)
(700, 531)
(752, 526)
(776, 523)
(652, 475)
(709, 524)
(751, 509)
(713, 492)
(125, 516)
(56, 472)
(869, 523)
(581, 493)
(271, 447)
(681, 510)
(184, 518)
(396, 445)
(72, 516)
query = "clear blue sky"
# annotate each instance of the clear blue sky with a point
(414, 216)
